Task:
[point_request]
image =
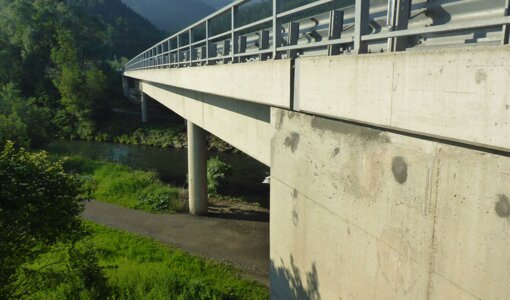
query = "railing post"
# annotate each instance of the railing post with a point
(242, 46)
(169, 53)
(277, 29)
(336, 25)
(178, 51)
(263, 44)
(506, 28)
(207, 46)
(361, 27)
(226, 50)
(293, 38)
(399, 12)
(190, 48)
(235, 42)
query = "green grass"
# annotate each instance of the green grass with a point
(140, 268)
(125, 186)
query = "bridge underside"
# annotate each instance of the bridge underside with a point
(389, 172)
(244, 125)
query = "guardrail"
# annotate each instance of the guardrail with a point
(387, 25)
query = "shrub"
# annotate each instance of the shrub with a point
(39, 212)
(217, 175)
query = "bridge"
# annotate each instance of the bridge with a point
(386, 125)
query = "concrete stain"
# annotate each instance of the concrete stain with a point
(480, 76)
(292, 141)
(294, 194)
(335, 152)
(292, 115)
(322, 124)
(399, 169)
(507, 107)
(503, 206)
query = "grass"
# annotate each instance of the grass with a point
(125, 186)
(140, 268)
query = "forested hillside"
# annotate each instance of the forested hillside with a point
(57, 68)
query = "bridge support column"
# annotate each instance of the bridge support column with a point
(197, 169)
(143, 103)
(125, 87)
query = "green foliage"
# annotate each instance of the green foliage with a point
(149, 270)
(217, 174)
(22, 120)
(122, 185)
(40, 206)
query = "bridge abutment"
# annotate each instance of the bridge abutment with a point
(197, 169)
(363, 213)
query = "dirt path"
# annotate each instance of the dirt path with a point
(222, 236)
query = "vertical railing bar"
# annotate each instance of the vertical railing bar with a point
(293, 39)
(505, 30)
(276, 28)
(361, 27)
(178, 51)
(336, 24)
(207, 35)
(234, 35)
(190, 48)
(263, 43)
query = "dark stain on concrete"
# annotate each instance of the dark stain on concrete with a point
(335, 152)
(294, 194)
(364, 133)
(507, 107)
(278, 122)
(292, 141)
(503, 206)
(291, 115)
(399, 169)
(480, 76)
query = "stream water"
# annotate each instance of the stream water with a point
(171, 165)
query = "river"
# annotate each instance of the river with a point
(171, 165)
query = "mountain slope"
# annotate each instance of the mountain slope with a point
(131, 33)
(170, 15)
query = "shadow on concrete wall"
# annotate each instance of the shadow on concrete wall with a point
(287, 282)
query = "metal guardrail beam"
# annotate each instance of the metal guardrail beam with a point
(359, 27)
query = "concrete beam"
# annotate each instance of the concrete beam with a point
(244, 125)
(197, 169)
(265, 82)
(456, 94)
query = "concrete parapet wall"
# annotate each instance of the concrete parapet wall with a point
(359, 213)
(244, 125)
(459, 94)
(267, 82)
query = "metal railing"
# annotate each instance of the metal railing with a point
(386, 25)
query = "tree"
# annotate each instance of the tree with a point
(39, 212)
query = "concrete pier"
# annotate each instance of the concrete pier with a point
(143, 103)
(197, 169)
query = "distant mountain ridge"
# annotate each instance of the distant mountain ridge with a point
(172, 15)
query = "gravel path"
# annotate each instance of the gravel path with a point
(243, 244)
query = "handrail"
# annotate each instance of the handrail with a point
(272, 43)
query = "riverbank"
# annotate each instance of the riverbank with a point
(170, 165)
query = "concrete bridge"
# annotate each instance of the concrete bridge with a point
(386, 127)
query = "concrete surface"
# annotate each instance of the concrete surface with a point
(197, 169)
(458, 94)
(243, 244)
(358, 213)
(244, 125)
(266, 82)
